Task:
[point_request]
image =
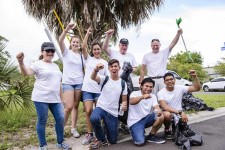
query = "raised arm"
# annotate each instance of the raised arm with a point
(84, 44)
(196, 83)
(175, 40)
(95, 72)
(24, 70)
(142, 73)
(105, 46)
(63, 35)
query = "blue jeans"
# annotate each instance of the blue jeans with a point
(137, 129)
(42, 114)
(110, 123)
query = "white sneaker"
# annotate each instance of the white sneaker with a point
(43, 147)
(75, 133)
(88, 139)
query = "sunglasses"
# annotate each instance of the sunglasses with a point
(50, 50)
(155, 40)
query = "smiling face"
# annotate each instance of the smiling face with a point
(170, 82)
(48, 55)
(75, 43)
(123, 48)
(155, 46)
(147, 88)
(96, 50)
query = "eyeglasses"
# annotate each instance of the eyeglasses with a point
(50, 50)
(155, 40)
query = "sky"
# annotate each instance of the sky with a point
(203, 24)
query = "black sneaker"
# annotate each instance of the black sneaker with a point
(168, 134)
(154, 139)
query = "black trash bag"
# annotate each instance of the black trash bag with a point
(184, 136)
(127, 70)
(189, 102)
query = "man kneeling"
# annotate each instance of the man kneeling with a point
(141, 114)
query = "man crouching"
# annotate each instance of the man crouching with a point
(141, 114)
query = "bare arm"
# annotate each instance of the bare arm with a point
(84, 44)
(142, 73)
(24, 70)
(167, 107)
(175, 40)
(63, 36)
(95, 72)
(105, 46)
(136, 100)
(196, 84)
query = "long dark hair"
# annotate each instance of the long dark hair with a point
(95, 43)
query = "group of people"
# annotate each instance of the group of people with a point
(102, 88)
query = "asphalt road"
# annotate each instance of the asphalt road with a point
(213, 132)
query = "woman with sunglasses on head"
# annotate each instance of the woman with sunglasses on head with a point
(73, 74)
(46, 93)
(90, 88)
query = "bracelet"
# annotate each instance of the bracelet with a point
(95, 70)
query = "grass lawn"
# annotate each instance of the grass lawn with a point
(212, 100)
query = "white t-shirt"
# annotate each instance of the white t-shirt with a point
(72, 68)
(110, 95)
(140, 110)
(123, 58)
(173, 98)
(47, 84)
(156, 62)
(90, 85)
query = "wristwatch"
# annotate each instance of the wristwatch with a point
(180, 112)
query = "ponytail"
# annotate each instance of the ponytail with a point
(41, 57)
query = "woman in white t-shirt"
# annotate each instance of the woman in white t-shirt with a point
(73, 74)
(90, 88)
(46, 93)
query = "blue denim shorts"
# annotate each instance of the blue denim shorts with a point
(89, 96)
(68, 87)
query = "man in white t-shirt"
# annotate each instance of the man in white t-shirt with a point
(108, 104)
(170, 98)
(156, 61)
(141, 114)
(122, 55)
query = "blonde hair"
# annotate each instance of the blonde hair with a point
(73, 37)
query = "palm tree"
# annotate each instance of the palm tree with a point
(14, 90)
(100, 14)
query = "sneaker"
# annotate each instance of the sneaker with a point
(154, 139)
(123, 128)
(43, 147)
(63, 146)
(168, 134)
(75, 133)
(88, 139)
(97, 144)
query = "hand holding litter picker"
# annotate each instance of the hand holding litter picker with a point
(178, 21)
